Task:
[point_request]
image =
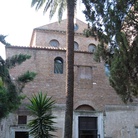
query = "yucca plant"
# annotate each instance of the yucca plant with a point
(42, 125)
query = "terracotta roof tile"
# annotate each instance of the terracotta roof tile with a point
(46, 48)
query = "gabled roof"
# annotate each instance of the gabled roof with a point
(59, 27)
(62, 26)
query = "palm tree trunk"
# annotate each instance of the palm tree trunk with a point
(69, 69)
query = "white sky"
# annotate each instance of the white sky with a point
(18, 19)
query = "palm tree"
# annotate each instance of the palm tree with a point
(42, 124)
(69, 69)
(69, 53)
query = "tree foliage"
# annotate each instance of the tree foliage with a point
(124, 70)
(53, 5)
(42, 125)
(2, 40)
(11, 88)
(108, 17)
(115, 24)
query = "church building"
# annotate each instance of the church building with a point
(98, 111)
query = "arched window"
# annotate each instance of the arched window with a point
(91, 48)
(54, 43)
(76, 46)
(58, 65)
(76, 27)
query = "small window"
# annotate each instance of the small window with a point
(22, 119)
(136, 132)
(58, 65)
(91, 48)
(76, 27)
(107, 70)
(76, 46)
(54, 43)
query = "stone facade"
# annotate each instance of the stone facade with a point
(94, 98)
(121, 121)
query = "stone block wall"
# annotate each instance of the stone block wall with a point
(121, 121)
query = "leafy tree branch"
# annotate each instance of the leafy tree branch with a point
(11, 89)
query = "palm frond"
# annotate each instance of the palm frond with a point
(53, 5)
(62, 8)
(47, 5)
(37, 3)
(53, 8)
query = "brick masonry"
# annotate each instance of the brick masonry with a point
(91, 85)
(95, 91)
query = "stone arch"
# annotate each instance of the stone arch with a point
(85, 107)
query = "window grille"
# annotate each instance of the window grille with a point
(58, 65)
(88, 127)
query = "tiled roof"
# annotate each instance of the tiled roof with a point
(46, 48)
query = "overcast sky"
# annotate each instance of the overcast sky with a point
(18, 20)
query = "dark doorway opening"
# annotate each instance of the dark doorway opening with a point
(88, 127)
(21, 135)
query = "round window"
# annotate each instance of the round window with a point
(54, 43)
(91, 48)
